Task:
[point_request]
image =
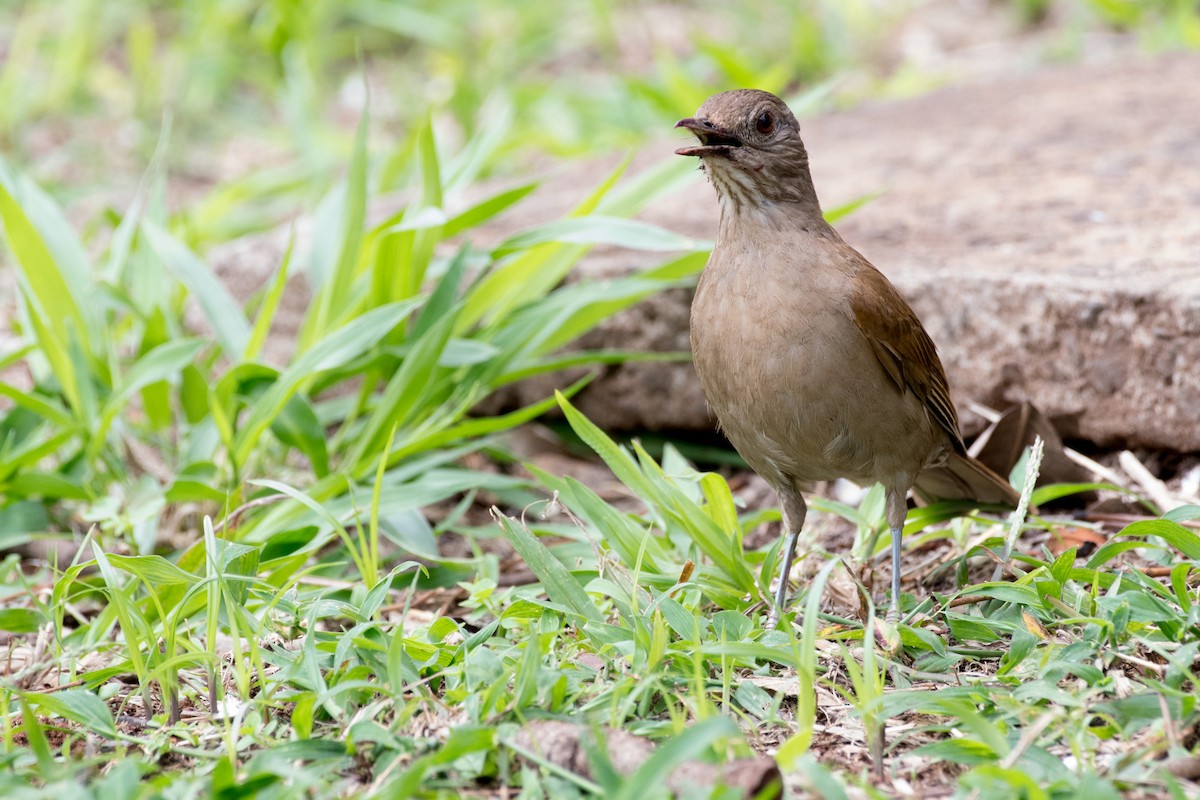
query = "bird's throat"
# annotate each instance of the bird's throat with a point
(743, 199)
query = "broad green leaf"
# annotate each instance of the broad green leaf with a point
(152, 569)
(1179, 584)
(234, 560)
(156, 396)
(193, 394)
(78, 705)
(1183, 513)
(164, 361)
(1006, 592)
(958, 751)
(1174, 534)
(1046, 494)
(19, 519)
(21, 620)
(971, 629)
(467, 353)
(29, 453)
(409, 530)
(47, 485)
(720, 506)
(185, 490)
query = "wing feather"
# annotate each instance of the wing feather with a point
(903, 348)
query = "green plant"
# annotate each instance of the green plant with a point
(277, 579)
(119, 374)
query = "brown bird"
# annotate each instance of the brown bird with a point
(814, 365)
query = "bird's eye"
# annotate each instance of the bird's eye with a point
(765, 124)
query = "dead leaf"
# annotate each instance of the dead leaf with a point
(1034, 626)
(1084, 540)
(1006, 439)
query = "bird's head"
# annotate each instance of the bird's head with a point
(750, 146)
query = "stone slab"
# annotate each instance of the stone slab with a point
(1045, 226)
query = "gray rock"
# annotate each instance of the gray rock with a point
(1046, 228)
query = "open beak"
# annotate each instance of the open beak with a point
(713, 140)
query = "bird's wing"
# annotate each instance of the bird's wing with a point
(903, 347)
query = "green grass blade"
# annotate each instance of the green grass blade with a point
(336, 248)
(411, 393)
(556, 580)
(81, 706)
(1174, 534)
(50, 255)
(595, 229)
(348, 342)
(223, 313)
(161, 363)
(486, 209)
(266, 313)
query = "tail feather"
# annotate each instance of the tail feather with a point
(964, 478)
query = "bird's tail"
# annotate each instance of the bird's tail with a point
(964, 478)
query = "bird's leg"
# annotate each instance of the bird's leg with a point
(789, 555)
(893, 614)
(794, 511)
(897, 510)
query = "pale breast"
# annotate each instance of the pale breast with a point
(792, 381)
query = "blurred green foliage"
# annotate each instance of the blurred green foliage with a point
(269, 91)
(582, 75)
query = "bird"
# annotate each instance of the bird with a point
(813, 364)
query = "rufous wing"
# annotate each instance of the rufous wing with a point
(903, 347)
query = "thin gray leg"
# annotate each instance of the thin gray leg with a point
(789, 555)
(893, 615)
(897, 511)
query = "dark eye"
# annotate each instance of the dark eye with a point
(765, 124)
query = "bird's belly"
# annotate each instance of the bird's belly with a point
(806, 400)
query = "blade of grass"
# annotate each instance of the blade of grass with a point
(554, 577)
(223, 313)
